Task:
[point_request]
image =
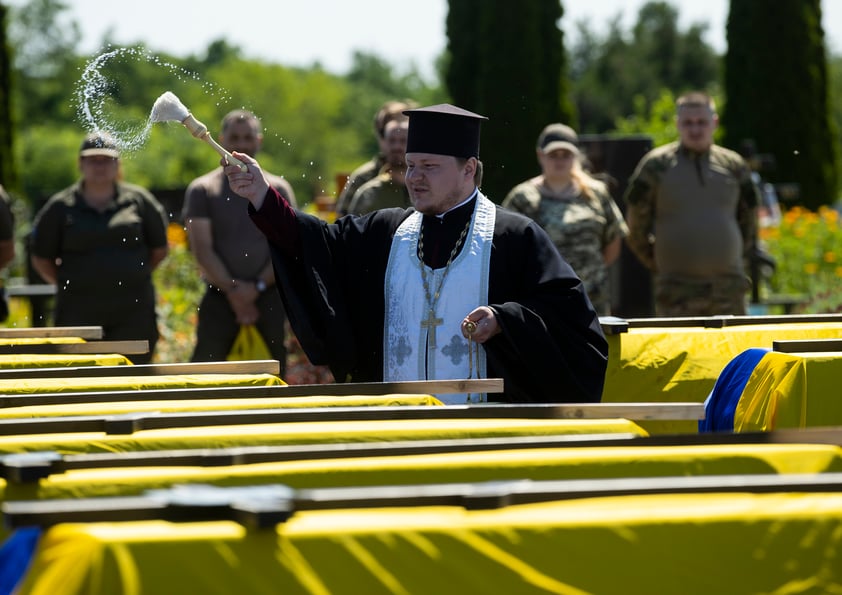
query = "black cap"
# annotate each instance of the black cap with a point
(99, 143)
(558, 136)
(443, 129)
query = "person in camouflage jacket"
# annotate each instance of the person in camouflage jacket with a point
(575, 209)
(691, 208)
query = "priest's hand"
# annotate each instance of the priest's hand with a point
(480, 325)
(250, 184)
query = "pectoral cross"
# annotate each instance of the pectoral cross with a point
(430, 323)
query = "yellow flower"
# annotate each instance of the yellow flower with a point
(828, 214)
(810, 268)
(792, 215)
(176, 235)
(830, 257)
(769, 233)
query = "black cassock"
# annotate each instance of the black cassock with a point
(331, 278)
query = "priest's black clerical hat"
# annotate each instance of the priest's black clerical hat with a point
(443, 129)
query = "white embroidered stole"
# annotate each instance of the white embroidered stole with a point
(408, 353)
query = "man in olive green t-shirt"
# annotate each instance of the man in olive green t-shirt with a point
(233, 255)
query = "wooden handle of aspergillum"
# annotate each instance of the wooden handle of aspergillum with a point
(199, 130)
(228, 156)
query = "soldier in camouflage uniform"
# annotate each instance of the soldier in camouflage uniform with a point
(575, 210)
(369, 170)
(692, 217)
(388, 189)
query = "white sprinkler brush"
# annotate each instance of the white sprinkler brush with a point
(168, 107)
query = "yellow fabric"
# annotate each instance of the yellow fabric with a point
(688, 544)
(40, 340)
(249, 344)
(12, 386)
(70, 409)
(532, 464)
(310, 433)
(58, 360)
(682, 364)
(791, 390)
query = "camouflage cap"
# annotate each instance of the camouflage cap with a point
(99, 143)
(558, 136)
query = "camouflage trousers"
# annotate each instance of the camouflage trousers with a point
(711, 296)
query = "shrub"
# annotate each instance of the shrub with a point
(179, 289)
(807, 246)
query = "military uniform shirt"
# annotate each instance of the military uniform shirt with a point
(102, 253)
(694, 213)
(379, 193)
(693, 223)
(579, 227)
(367, 171)
(105, 274)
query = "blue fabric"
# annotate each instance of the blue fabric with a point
(722, 401)
(15, 556)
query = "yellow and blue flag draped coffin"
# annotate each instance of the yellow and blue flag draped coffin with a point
(764, 389)
(669, 535)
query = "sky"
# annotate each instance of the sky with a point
(303, 32)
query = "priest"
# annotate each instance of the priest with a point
(453, 288)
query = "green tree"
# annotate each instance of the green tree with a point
(835, 74)
(7, 170)
(218, 52)
(316, 124)
(655, 119)
(373, 81)
(777, 92)
(45, 60)
(611, 74)
(306, 137)
(508, 64)
(598, 79)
